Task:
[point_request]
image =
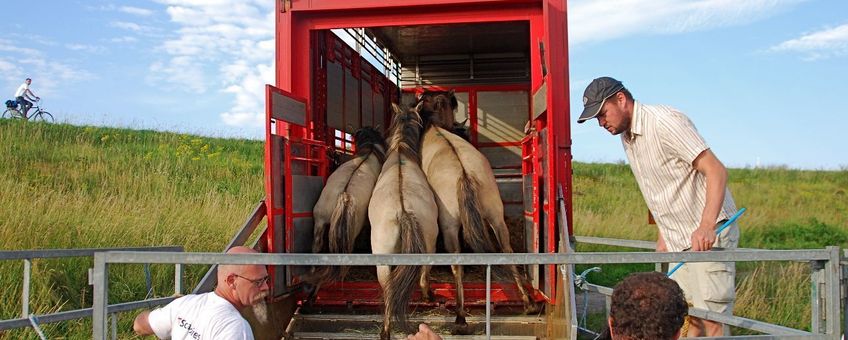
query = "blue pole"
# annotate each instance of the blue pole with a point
(718, 231)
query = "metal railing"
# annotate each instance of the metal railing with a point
(827, 293)
(829, 271)
(31, 320)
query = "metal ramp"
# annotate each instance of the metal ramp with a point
(367, 326)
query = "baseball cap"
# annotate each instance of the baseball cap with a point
(596, 94)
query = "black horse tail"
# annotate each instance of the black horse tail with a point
(475, 230)
(403, 278)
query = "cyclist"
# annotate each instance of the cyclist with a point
(22, 94)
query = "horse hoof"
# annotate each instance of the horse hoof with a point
(428, 297)
(385, 335)
(462, 329)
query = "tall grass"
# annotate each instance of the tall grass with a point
(64, 186)
(70, 187)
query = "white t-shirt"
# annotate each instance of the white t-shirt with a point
(21, 90)
(199, 317)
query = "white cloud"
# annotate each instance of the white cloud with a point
(221, 44)
(49, 75)
(831, 42)
(124, 39)
(131, 26)
(85, 48)
(136, 11)
(595, 21)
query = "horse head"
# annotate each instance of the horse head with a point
(368, 139)
(438, 108)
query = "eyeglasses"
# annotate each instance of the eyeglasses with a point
(258, 282)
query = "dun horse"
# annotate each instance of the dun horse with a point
(343, 205)
(467, 196)
(403, 217)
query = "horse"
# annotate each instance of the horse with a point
(341, 209)
(444, 116)
(468, 199)
(403, 217)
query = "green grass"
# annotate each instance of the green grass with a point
(64, 186)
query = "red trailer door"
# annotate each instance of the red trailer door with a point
(295, 169)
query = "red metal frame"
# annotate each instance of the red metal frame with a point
(547, 19)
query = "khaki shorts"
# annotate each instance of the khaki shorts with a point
(711, 285)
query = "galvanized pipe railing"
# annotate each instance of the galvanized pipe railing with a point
(826, 291)
(829, 256)
(30, 320)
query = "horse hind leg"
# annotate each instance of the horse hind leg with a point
(502, 235)
(424, 283)
(452, 245)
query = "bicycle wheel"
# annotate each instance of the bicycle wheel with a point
(42, 116)
(11, 114)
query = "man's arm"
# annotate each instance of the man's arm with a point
(32, 95)
(141, 325)
(716, 175)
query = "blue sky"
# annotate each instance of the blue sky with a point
(763, 80)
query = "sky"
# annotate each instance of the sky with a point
(763, 80)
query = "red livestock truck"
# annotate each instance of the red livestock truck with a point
(340, 64)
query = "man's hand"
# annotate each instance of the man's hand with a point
(424, 333)
(661, 248)
(703, 238)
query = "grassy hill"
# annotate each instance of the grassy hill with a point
(64, 186)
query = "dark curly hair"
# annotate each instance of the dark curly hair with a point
(647, 306)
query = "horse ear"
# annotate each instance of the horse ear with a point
(350, 128)
(396, 109)
(378, 127)
(451, 91)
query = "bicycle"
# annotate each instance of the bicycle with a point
(36, 113)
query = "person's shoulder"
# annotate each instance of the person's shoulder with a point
(667, 115)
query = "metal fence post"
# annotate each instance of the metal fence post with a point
(488, 301)
(833, 290)
(843, 281)
(178, 279)
(816, 278)
(25, 293)
(101, 297)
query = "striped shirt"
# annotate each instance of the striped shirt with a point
(661, 145)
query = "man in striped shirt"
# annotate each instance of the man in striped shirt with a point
(684, 186)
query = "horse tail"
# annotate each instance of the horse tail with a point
(340, 233)
(475, 230)
(403, 278)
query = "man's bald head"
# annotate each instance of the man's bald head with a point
(242, 284)
(225, 270)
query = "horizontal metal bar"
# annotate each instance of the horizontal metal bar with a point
(464, 259)
(616, 242)
(83, 313)
(627, 243)
(599, 289)
(54, 253)
(738, 321)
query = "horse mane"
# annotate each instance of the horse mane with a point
(369, 140)
(405, 132)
